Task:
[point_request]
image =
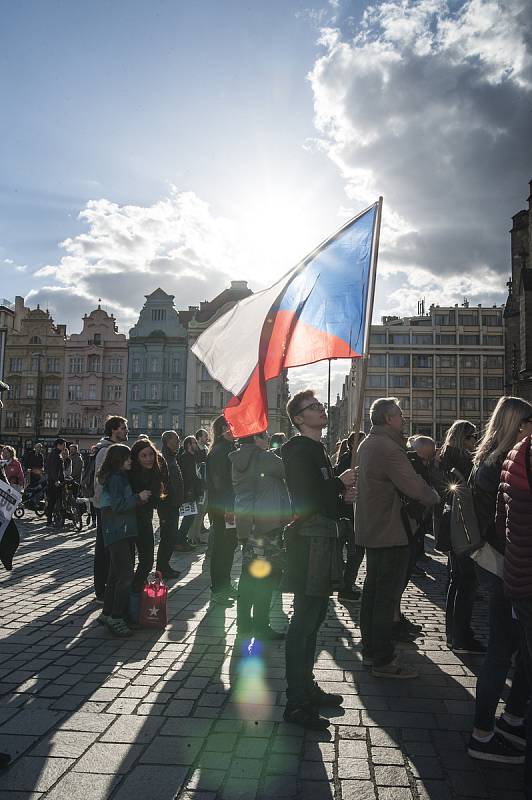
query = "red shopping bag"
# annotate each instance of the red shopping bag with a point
(153, 602)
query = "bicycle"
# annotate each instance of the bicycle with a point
(67, 507)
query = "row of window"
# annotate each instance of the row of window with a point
(490, 382)
(440, 360)
(493, 320)
(112, 391)
(154, 391)
(50, 419)
(150, 422)
(76, 364)
(156, 364)
(466, 404)
(440, 338)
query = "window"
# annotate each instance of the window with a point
(404, 402)
(422, 403)
(158, 314)
(206, 399)
(97, 338)
(75, 365)
(15, 365)
(155, 391)
(377, 338)
(14, 391)
(115, 365)
(35, 340)
(445, 361)
(176, 392)
(51, 419)
(469, 338)
(73, 420)
(377, 381)
(492, 320)
(377, 360)
(470, 382)
(175, 422)
(422, 338)
(493, 382)
(92, 392)
(446, 403)
(30, 390)
(400, 338)
(11, 420)
(445, 338)
(94, 422)
(444, 319)
(155, 364)
(28, 420)
(368, 402)
(422, 430)
(35, 363)
(397, 360)
(470, 403)
(446, 382)
(493, 341)
(176, 366)
(51, 391)
(398, 381)
(493, 362)
(74, 391)
(135, 392)
(113, 391)
(469, 362)
(160, 421)
(93, 363)
(422, 381)
(489, 404)
(205, 374)
(467, 319)
(53, 365)
(149, 422)
(422, 361)
(137, 366)
(135, 421)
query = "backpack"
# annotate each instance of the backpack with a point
(464, 527)
(87, 477)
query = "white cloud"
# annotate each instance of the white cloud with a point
(430, 107)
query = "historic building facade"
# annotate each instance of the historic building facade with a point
(95, 378)
(157, 368)
(518, 311)
(205, 397)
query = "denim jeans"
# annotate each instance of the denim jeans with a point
(300, 650)
(122, 558)
(503, 642)
(101, 559)
(186, 525)
(354, 553)
(223, 550)
(523, 610)
(385, 576)
(460, 598)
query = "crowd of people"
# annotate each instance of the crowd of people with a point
(305, 522)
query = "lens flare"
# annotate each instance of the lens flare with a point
(453, 487)
(250, 688)
(260, 568)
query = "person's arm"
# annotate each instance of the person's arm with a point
(306, 484)
(121, 496)
(19, 473)
(406, 480)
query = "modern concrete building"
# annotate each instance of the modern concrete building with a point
(34, 367)
(205, 397)
(444, 365)
(156, 368)
(95, 378)
(518, 310)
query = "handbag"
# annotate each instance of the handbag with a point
(153, 602)
(465, 530)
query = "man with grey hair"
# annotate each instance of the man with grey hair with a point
(385, 475)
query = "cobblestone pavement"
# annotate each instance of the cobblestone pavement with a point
(88, 716)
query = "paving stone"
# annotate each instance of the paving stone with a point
(391, 776)
(109, 760)
(317, 790)
(251, 748)
(358, 790)
(34, 774)
(86, 721)
(65, 744)
(148, 783)
(36, 722)
(386, 755)
(209, 779)
(394, 793)
(186, 727)
(353, 768)
(279, 786)
(79, 786)
(129, 728)
(171, 750)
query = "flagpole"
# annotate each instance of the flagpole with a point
(361, 389)
(329, 407)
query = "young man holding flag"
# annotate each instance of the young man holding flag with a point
(314, 566)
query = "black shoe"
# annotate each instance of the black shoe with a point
(169, 572)
(306, 716)
(402, 634)
(270, 635)
(409, 625)
(471, 646)
(184, 547)
(5, 758)
(417, 572)
(318, 697)
(349, 595)
(231, 591)
(516, 734)
(497, 749)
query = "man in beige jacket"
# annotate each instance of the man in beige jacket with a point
(385, 475)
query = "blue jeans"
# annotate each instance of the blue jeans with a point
(503, 642)
(523, 610)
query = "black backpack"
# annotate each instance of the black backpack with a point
(87, 477)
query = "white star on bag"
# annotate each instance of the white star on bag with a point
(153, 612)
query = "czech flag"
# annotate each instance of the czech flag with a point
(318, 310)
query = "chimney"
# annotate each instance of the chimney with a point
(239, 285)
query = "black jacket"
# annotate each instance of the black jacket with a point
(221, 497)
(54, 467)
(191, 480)
(174, 488)
(310, 478)
(485, 481)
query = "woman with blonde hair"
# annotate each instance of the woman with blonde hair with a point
(491, 740)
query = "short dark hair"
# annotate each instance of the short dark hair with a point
(219, 427)
(200, 432)
(112, 423)
(188, 440)
(295, 403)
(59, 441)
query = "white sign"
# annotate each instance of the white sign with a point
(9, 500)
(188, 509)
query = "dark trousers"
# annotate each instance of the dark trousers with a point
(460, 598)
(101, 559)
(523, 610)
(353, 552)
(53, 495)
(503, 642)
(169, 520)
(120, 578)
(385, 577)
(145, 548)
(253, 604)
(186, 524)
(300, 650)
(222, 554)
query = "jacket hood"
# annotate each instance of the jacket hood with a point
(240, 459)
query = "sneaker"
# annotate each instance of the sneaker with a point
(319, 697)
(270, 635)
(103, 619)
(118, 628)
(306, 716)
(516, 734)
(394, 670)
(349, 595)
(471, 646)
(98, 601)
(231, 591)
(497, 749)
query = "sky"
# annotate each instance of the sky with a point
(183, 145)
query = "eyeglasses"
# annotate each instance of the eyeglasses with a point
(315, 406)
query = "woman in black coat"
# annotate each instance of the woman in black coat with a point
(148, 471)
